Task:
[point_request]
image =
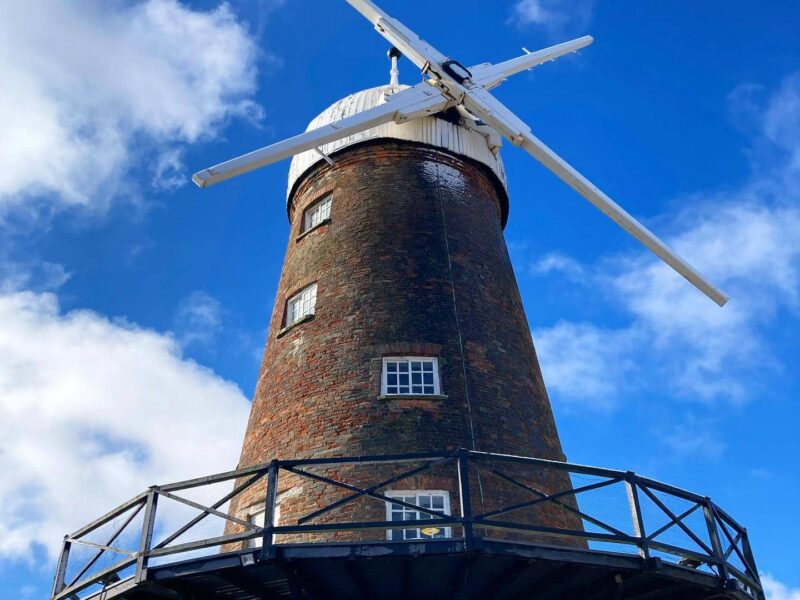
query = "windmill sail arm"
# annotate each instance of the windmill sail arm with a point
(620, 216)
(421, 100)
(482, 104)
(409, 43)
(490, 76)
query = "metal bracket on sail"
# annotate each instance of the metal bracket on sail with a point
(327, 158)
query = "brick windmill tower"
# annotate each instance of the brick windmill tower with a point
(398, 326)
(401, 442)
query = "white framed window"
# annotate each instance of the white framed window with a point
(301, 304)
(437, 501)
(317, 213)
(410, 375)
(256, 517)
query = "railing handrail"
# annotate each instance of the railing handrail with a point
(717, 554)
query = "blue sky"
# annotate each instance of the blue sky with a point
(133, 305)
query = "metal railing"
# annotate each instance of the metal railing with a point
(606, 510)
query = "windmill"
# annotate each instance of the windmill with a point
(401, 442)
(449, 84)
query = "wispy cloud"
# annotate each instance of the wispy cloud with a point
(555, 17)
(747, 239)
(98, 93)
(693, 438)
(31, 274)
(169, 171)
(585, 364)
(556, 262)
(198, 318)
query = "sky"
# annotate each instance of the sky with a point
(134, 306)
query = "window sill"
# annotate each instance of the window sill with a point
(314, 228)
(288, 328)
(412, 397)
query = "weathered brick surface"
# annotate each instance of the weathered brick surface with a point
(386, 286)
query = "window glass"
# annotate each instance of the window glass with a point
(257, 518)
(410, 375)
(318, 213)
(436, 501)
(301, 304)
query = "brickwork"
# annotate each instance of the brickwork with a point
(412, 262)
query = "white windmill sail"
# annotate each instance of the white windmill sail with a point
(448, 84)
(418, 101)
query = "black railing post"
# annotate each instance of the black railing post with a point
(632, 486)
(61, 569)
(147, 535)
(750, 568)
(713, 535)
(466, 503)
(267, 545)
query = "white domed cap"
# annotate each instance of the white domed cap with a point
(474, 141)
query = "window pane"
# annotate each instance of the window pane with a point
(409, 376)
(317, 213)
(425, 500)
(256, 519)
(301, 304)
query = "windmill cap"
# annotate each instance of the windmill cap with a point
(479, 144)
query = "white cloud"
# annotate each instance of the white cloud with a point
(556, 262)
(169, 172)
(584, 363)
(94, 411)
(32, 274)
(753, 251)
(198, 318)
(775, 590)
(693, 438)
(93, 91)
(556, 17)
(747, 240)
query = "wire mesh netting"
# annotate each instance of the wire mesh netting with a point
(114, 542)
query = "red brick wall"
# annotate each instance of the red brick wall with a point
(384, 287)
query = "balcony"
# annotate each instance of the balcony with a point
(514, 527)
